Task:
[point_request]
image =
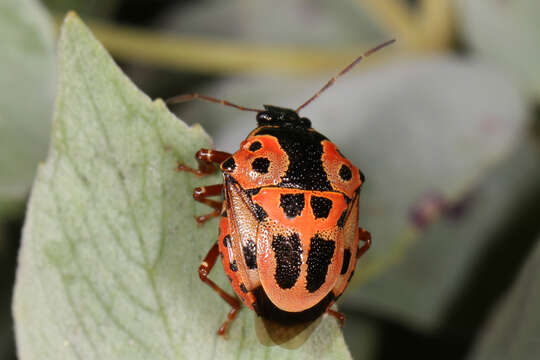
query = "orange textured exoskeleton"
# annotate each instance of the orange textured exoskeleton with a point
(288, 235)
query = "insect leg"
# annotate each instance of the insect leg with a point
(200, 194)
(204, 269)
(339, 316)
(206, 159)
(364, 236)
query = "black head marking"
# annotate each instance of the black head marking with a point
(228, 165)
(321, 206)
(292, 204)
(250, 254)
(320, 256)
(256, 145)
(281, 117)
(260, 165)
(346, 261)
(304, 151)
(288, 250)
(345, 173)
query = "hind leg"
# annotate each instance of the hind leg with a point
(204, 270)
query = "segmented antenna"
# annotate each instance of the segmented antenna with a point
(344, 71)
(190, 97)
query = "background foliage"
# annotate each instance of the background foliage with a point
(443, 124)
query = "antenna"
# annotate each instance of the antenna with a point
(344, 71)
(190, 97)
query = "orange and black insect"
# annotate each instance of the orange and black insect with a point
(288, 236)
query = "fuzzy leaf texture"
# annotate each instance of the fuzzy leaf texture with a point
(108, 265)
(513, 329)
(27, 80)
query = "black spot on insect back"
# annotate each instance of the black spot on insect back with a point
(345, 173)
(233, 266)
(227, 241)
(243, 288)
(250, 254)
(321, 206)
(288, 252)
(346, 261)
(259, 212)
(256, 145)
(292, 204)
(320, 255)
(260, 165)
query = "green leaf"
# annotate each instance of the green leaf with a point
(108, 265)
(513, 330)
(27, 80)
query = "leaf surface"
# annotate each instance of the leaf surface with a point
(513, 330)
(108, 265)
(506, 34)
(27, 81)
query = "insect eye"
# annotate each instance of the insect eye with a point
(263, 117)
(304, 122)
(228, 165)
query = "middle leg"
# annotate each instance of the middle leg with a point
(200, 194)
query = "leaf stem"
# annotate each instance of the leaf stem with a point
(218, 56)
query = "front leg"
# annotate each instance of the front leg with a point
(206, 159)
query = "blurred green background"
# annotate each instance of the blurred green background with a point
(444, 124)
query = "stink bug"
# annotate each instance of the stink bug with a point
(288, 235)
